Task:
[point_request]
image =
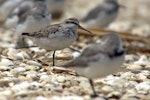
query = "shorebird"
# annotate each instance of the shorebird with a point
(102, 15)
(35, 19)
(57, 36)
(99, 59)
(6, 6)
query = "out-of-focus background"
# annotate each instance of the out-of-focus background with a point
(26, 73)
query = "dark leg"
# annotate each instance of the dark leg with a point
(92, 86)
(54, 58)
(21, 43)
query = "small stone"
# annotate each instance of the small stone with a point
(45, 78)
(22, 55)
(18, 70)
(32, 68)
(15, 80)
(134, 67)
(63, 56)
(3, 97)
(21, 86)
(61, 79)
(130, 58)
(76, 54)
(5, 68)
(4, 83)
(32, 76)
(34, 63)
(19, 56)
(6, 62)
(7, 93)
(11, 52)
(107, 89)
(40, 98)
(144, 86)
(143, 61)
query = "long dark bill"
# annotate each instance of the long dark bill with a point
(80, 27)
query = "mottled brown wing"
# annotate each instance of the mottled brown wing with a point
(45, 32)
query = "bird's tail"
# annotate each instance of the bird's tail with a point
(27, 34)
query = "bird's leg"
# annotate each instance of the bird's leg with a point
(21, 43)
(93, 89)
(54, 58)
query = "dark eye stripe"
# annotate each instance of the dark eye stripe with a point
(75, 23)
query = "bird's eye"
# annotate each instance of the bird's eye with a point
(43, 16)
(75, 23)
(67, 22)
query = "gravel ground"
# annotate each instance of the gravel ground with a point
(27, 74)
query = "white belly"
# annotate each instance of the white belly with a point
(55, 43)
(103, 67)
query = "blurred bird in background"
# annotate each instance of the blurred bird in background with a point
(102, 15)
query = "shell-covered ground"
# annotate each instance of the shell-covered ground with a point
(27, 74)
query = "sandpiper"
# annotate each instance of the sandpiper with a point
(103, 14)
(57, 36)
(35, 19)
(99, 59)
(14, 16)
(6, 6)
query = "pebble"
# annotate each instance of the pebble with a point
(45, 78)
(32, 68)
(143, 61)
(31, 62)
(18, 70)
(21, 86)
(5, 68)
(60, 79)
(107, 89)
(134, 67)
(6, 92)
(21, 56)
(76, 54)
(66, 98)
(3, 97)
(15, 80)
(144, 86)
(4, 83)
(6, 62)
(41, 98)
(115, 81)
(63, 56)
(130, 58)
(32, 76)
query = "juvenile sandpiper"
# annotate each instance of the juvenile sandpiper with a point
(57, 36)
(35, 19)
(6, 6)
(99, 59)
(102, 15)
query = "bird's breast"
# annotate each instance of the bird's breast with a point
(55, 42)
